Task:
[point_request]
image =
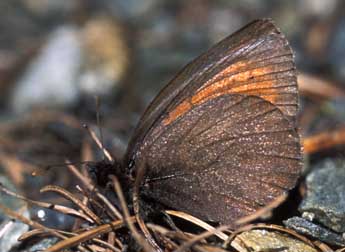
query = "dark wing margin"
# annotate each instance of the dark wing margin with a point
(256, 60)
(224, 159)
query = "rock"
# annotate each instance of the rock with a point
(263, 240)
(11, 230)
(42, 245)
(325, 197)
(50, 79)
(306, 227)
(106, 56)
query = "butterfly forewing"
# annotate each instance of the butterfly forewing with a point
(256, 60)
(219, 141)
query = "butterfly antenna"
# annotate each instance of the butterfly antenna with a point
(43, 169)
(98, 107)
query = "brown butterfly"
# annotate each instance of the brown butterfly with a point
(220, 141)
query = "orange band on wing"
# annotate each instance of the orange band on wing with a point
(181, 109)
(224, 86)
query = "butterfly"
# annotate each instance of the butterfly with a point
(220, 141)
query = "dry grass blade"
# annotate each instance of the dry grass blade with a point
(58, 208)
(36, 232)
(88, 235)
(210, 248)
(324, 140)
(29, 222)
(111, 241)
(85, 180)
(169, 244)
(171, 234)
(99, 143)
(66, 194)
(15, 168)
(197, 222)
(31, 233)
(200, 237)
(94, 202)
(108, 247)
(130, 225)
(85, 200)
(86, 156)
(323, 247)
(88, 184)
(312, 86)
(139, 177)
(36, 225)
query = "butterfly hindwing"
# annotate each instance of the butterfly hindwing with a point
(224, 159)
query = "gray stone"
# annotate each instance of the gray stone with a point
(50, 79)
(306, 227)
(42, 245)
(325, 197)
(11, 230)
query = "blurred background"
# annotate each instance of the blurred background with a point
(56, 56)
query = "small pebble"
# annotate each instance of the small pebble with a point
(306, 227)
(11, 230)
(106, 56)
(264, 240)
(50, 79)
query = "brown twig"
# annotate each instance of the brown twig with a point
(34, 224)
(89, 185)
(324, 140)
(69, 196)
(312, 86)
(136, 207)
(201, 236)
(99, 143)
(88, 235)
(58, 208)
(146, 246)
(322, 246)
(197, 222)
